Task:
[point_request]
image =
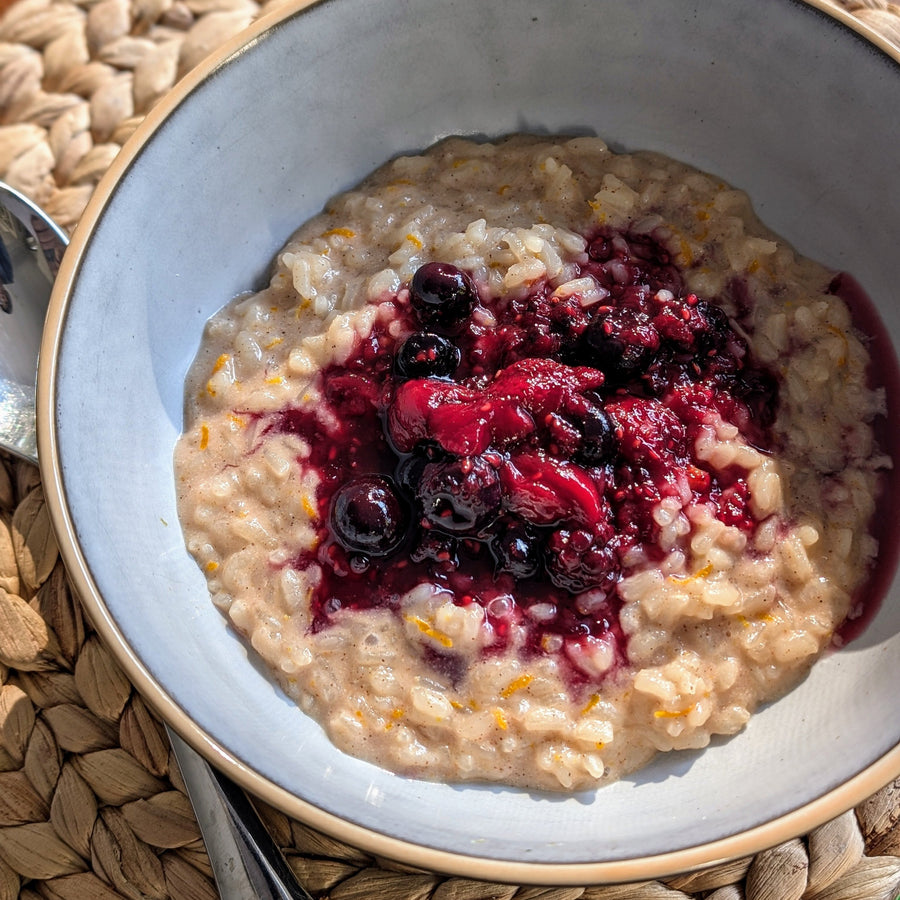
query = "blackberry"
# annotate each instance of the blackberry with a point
(426, 355)
(461, 495)
(578, 560)
(621, 343)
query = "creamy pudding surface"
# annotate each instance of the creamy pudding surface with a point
(533, 460)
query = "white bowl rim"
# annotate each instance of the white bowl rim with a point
(747, 843)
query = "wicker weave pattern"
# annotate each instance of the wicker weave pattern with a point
(91, 803)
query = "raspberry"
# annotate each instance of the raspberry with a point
(650, 434)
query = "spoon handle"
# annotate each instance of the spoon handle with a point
(246, 862)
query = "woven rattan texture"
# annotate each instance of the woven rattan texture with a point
(91, 803)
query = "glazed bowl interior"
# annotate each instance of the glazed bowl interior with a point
(779, 99)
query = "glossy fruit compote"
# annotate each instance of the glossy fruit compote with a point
(523, 449)
(532, 461)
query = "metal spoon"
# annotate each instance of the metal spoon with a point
(246, 861)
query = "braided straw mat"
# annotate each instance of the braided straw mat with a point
(92, 806)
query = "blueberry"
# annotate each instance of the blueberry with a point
(409, 471)
(367, 516)
(461, 495)
(517, 550)
(426, 355)
(598, 441)
(442, 295)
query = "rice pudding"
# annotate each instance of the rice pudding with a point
(532, 461)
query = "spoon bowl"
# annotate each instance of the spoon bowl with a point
(31, 248)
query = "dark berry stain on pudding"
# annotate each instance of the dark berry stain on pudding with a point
(535, 460)
(525, 458)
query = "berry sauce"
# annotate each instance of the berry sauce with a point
(884, 372)
(513, 451)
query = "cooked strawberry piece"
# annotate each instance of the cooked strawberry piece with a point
(547, 491)
(509, 421)
(466, 421)
(544, 386)
(440, 411)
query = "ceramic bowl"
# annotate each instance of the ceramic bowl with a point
(781, 99)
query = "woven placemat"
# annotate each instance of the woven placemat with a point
(91, 803)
